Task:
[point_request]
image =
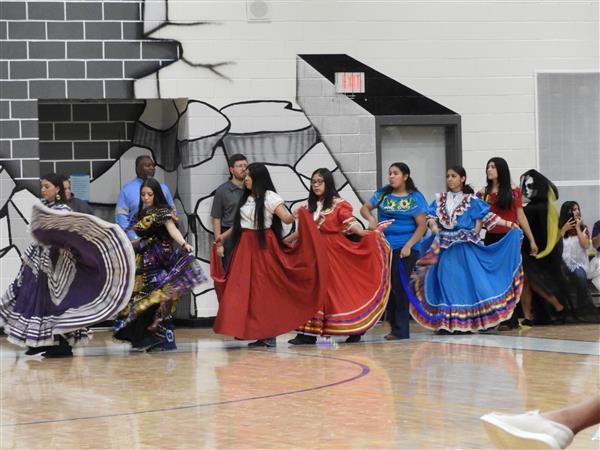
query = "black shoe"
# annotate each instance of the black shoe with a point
(353, 338)
(270, 342)
(146, 343)
(35, 350)
(560, 317)
(527, 322)
(303, 339)
(62, 350)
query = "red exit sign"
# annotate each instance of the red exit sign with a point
(350, 82)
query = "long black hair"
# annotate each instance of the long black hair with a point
(460, 170)
(330, 190)
(504, 198)
(261, 183)
(160, 200)
(566, 212)
(387, 189)
(57, 181)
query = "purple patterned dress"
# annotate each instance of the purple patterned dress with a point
(79, 271)
(164, 273)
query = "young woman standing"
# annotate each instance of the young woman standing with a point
(460, 284)
(401, 203)
(505, 201)
(359, 274)
(269, 288)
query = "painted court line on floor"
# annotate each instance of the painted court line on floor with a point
(364, 370)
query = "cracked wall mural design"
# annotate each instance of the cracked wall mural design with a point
(134, 50)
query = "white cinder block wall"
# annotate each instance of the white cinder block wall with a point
(478, 58)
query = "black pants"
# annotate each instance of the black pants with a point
(228, 246)
(397, 307)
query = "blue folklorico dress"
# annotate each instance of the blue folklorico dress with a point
(461, 284)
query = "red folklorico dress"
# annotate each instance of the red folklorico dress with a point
(359, 275)
(272, 290)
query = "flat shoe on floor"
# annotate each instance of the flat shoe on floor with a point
(35, 350)
(303, 339)
(262, 343)
(526, 431)
(392, 337)
(57, 352)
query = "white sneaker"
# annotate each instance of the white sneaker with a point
(526, 431)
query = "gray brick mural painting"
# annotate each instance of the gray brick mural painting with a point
(87, 86)
(85, 136)
(67, 49)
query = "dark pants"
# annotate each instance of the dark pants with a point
(228, 246)
(578, 277)
(492, 238)
(397, 307)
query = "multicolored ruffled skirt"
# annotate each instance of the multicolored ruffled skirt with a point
(467, 286)
(79, 273)
(163, 276)
(359, 285)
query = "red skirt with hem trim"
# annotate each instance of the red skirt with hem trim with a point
(358, 288)
(272, 290)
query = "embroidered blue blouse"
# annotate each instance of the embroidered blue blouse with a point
(402, 210)
(459, 225)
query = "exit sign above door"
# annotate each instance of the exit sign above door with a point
(350, 82)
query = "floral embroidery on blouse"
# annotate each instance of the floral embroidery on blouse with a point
(404, 204)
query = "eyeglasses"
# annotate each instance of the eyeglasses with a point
(317, 182)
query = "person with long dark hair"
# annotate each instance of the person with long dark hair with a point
(460, 284)
(165, 271)
(78, 272)
(359, 280)
(576, 241)
(505, 200)
(401, 203)
(76, 204)
(269, 288)
(127, 208)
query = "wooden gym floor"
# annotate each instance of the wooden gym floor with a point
(214, 393)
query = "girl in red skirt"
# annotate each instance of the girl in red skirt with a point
(269, 288)
(359, 276)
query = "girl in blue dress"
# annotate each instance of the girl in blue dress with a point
(460, 284)
(404, 206)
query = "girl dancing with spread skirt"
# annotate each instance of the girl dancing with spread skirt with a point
(269, 288)
(79, 271)
(460, 284)
(359, 275)
(165, 271)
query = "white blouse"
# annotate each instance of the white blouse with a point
(453, 199)
(272, 201)
(574, 255)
